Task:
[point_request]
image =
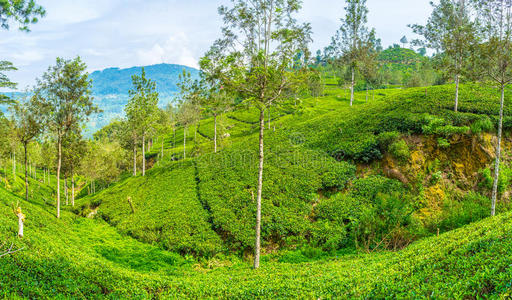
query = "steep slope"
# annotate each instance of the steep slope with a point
(167, 210)
(312, 196)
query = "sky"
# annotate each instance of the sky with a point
(126, 33)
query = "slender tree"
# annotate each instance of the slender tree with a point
(350, 39)
(213, 99)
(142, 111)
(255, 60)
(450, 31)
(63, 96)
(496, 61)
(28, 125)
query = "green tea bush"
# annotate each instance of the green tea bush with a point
(473, 207)
(167, 210)
(483, 124)
(400, 150)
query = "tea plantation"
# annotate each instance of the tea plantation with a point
(353, 201)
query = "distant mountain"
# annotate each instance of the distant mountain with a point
(111, 86)
(115, 81)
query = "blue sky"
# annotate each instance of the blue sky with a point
(125, 33)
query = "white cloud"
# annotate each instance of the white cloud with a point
(176, 49)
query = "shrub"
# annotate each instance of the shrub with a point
(385, 139)
(338, 175)
(483, 124)
(400, 150)
(443, 143)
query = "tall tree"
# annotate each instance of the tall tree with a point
(496, 60)
(255, 60)
(63, 96)
(350, 39)
(142, 111)
(28, 124)
(450, 31)
(214, 99)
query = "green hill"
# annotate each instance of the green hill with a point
(353, 199)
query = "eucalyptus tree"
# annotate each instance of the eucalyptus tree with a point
(352, 38)
(27, 123)
(63, 96)
(451, 31)
(74, 149)
(496, 62)
(255, 60)
(142, 111)
(188, 112)
(214, 99)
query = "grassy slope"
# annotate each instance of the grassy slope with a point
(81, 257)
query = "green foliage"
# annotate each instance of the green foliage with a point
(167, 210)
(23, 12)
(400, 150)
(483, 124)
(504, 180)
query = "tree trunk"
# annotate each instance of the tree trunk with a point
(134, 159)
(457, 80)
(14, 165)
(498, 155)
(257, 246)
(66, 190)
(143, 155)
(73, 190)
(26, 171)
(352, 85)
(215, 133)
(366, 93)
(59, 162)
(184, 142)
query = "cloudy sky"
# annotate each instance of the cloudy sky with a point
(125, 33)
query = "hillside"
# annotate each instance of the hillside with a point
(111, 86)
(353, 200)
(116, 81)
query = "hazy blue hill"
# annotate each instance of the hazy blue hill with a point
(111, 86)
(115, 81)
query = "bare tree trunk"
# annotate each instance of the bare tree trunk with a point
(59, 162)
(26, 171)
(498, 155)
(257, 246)
(184, 142)
(215, 132)
(457, 80)
(352, 85)
(162, 150)
(66, 189)
(366, 93)
(14, 165)
(134, 159)
(73, 190)
(143, 155)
